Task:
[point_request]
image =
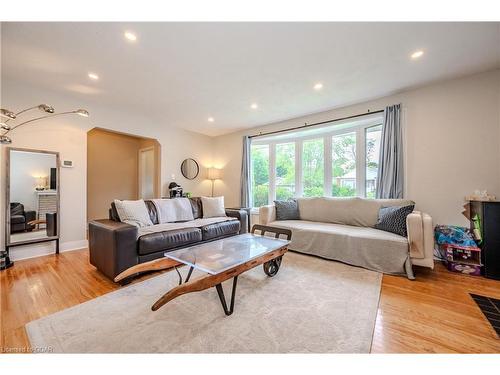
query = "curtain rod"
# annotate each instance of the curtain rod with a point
(315, 124)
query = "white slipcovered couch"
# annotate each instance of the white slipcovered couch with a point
(342, 229)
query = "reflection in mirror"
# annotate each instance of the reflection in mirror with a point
(190, 169)
(33, 196)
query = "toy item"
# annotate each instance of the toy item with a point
(175, 190)
(467, 269)
(453, 235)
(476, 222)
(459, 249)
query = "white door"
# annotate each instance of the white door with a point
(146, 173)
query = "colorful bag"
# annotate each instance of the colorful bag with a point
(454, 235)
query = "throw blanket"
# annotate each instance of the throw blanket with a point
(197, 223)
(170, 210)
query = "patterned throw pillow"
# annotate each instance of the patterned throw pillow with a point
(287, 210)
(393, 219)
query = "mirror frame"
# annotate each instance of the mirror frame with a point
(197, 166)
(7, 199)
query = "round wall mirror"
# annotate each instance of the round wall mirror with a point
(190, 169)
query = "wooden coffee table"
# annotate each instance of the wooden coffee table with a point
(220, 260)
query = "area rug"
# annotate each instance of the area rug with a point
(311, 306)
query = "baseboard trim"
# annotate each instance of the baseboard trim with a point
(46, 248)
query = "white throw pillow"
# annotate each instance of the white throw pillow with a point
(213, 207)
(172, 210)
(133, 212)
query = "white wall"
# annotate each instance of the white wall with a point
(68, 135)
(24, 167)
(453, 143)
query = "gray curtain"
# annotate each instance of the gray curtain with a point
(245, 173)
(390, 179)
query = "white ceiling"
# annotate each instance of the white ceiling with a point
(181, 73)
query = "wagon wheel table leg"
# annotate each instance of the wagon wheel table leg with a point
(272, 267)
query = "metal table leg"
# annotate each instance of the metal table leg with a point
(220, 292)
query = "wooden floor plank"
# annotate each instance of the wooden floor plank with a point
(433, 314)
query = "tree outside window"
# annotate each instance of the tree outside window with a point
(372, 136)
(260, 175)
(313, 167)
(285, 171)
(344, 165)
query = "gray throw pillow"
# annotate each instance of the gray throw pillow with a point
(287, 210)
(393, 219)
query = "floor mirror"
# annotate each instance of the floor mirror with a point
(32, 198)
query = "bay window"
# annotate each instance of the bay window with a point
(339, 160)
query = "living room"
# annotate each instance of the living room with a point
(250, 187)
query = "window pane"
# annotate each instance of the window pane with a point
(313, 167)
(372, 153)
(344, 165)
(260, 175)
(285, 171)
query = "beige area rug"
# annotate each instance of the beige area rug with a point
(311, 306)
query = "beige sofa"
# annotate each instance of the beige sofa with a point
(342, 229)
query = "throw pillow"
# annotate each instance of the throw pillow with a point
(133, 212)
(287, 210)
(393, 219)
(173, 210)
(213, 207)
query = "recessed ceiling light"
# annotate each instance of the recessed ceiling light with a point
(93, 76)
(417, 54)
(130, 36)
(318, 86)
(211, 119)
(254, 106)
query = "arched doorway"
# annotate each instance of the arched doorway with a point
(120, 166)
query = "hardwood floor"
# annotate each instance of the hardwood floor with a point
(433, 314)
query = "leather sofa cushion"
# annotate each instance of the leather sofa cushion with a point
(16, 209)
(154, 242)
(17, 228)
(223, 229)
(17, 219)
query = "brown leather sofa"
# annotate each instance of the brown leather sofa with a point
(114, 246)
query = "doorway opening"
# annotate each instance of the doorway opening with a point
(120, 166)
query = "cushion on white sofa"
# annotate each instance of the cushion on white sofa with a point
(361, 246)
(349, 211)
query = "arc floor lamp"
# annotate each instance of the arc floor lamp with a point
(7, 116)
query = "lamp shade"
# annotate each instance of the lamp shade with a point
(214, 173)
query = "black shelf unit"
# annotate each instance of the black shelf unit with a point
(489, 216)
